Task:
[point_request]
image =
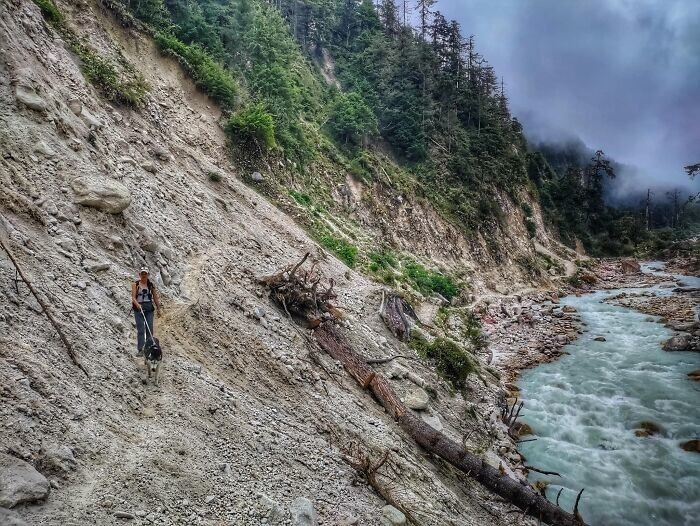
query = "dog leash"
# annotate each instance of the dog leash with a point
(145, 321)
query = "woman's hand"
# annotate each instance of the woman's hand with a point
(137, 306)
(159, 312)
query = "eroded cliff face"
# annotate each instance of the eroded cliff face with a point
(250, 416)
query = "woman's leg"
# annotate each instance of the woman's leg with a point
(149, 319)
(140, 331)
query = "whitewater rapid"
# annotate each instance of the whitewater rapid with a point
(585, 407)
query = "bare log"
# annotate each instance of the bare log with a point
(522, 495)
(44, 307)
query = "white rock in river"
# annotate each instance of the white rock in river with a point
(100, 192)
(417, 399)
(20, 482)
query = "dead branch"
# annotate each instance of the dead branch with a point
(559, 493)
(373, 361)
(45, 308)
(577, 515)
(298, 298)
(530, 468)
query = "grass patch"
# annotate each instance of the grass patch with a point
(301, 198)
(127, 87)
(429, 281)
(451, 361)
(252, 126)
(346, 252)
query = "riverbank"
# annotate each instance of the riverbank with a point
(529, 330)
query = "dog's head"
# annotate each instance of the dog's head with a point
(154, 353)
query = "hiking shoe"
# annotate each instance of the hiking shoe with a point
(138, 354)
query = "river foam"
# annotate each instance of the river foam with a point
(585, 407)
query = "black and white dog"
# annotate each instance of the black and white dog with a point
(153, 355)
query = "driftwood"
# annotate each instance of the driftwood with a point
(44, 307)
(398, 316)
(287, 288)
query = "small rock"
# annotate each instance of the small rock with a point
(75, 106)
(694, 375)
(257, 177)
(20, 482)
(96, 267)
(11, 518)
(599, 338)
(44, 149)
(303, 513)
(271, 510)
(432, 420)
(56, 459)
(417, 399)
(350, 520)
(568, 308)
(124, 515)
(209, 499)
(149, 167)
(392, 517)
(259, 312)
(647, 429)
(89, 119)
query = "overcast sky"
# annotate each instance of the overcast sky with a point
(623, 75)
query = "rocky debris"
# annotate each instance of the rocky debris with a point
(11, 518)
(630, 266)
(303, 513)
(417, 399)
(392, 517)
(102, 193)
(588, 277)
(30, 98)
(20, 482)
(691, 445)
(56, 459)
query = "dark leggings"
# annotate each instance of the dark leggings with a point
(141, 333)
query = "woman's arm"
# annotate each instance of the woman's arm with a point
(156, 298)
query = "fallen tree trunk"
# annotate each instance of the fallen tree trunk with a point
(299, 296)
(522, 495)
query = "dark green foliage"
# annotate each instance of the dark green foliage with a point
(50, 12)
(346, 252)
(451, 361)
(253, 125)
(382, 260)
(215, 177)
(210, 76)
(428, 281)
(301, 198)
(351, 119)
(531, 227)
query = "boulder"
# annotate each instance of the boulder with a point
(630, 266)
(694, 375)
(568, 308)
(599, 338)
(30, 98)
(102, 193)
(680, 342)
(303, 513)
(20, 482)
(392, 517)
(11, 518)
(647, 429)
(691, 445)
(417, 399)
(56, 459)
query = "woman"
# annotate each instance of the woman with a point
(145, 299)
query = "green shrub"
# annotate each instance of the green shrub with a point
(451, 361)
(351, 119)
(301, 198)
(50, 12)
(527, 209)
(382, 260)
(252, 125)
(428, 281)
(215, 177)
(207, 74)
(346, 252)
(531, 227)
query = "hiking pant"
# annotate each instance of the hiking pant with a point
(141, 333)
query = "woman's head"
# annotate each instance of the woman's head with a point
(143, 273)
